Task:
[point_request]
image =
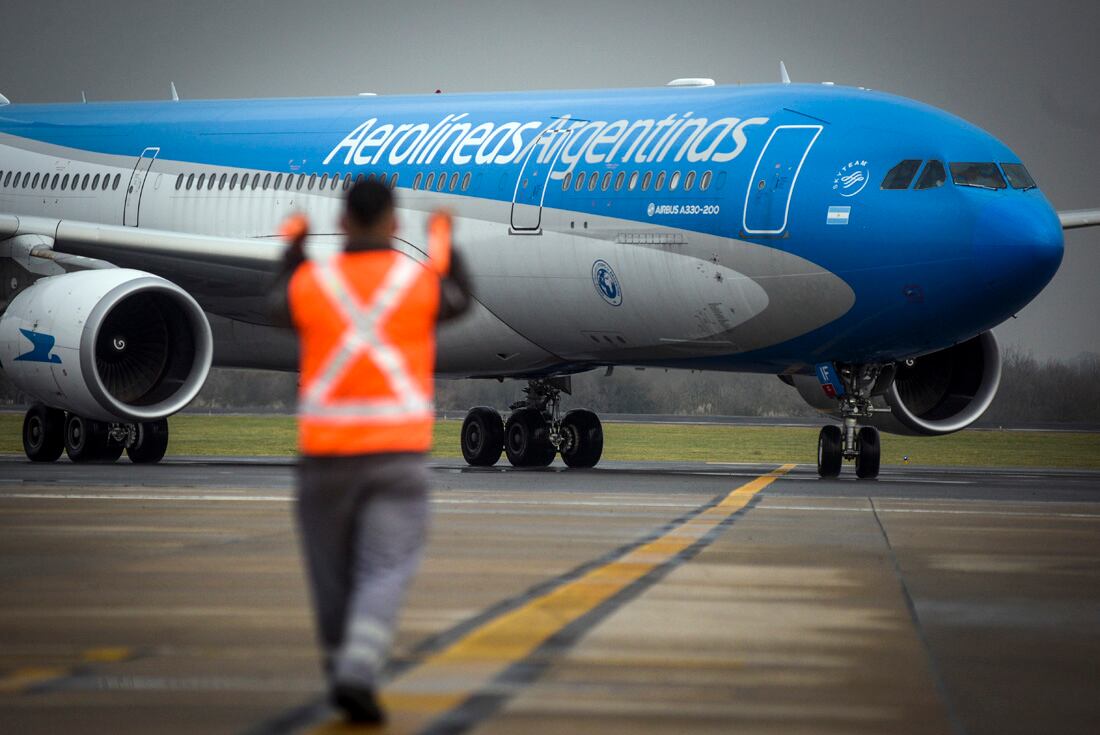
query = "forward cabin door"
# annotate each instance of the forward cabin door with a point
(534, 177)
(132, 207)
(771, 186)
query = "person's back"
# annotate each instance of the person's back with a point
(366, 325)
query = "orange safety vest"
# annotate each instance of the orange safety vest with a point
(366, 327)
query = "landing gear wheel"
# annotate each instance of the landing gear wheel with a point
(85, 440)
(43, 433)
(867, 461)
(582, 436)
(829, 451)
(527, 439)
(151, 443)
(482, 437)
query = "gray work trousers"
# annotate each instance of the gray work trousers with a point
(363, 521)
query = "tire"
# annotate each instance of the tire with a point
(527, 439)
(151, 444)
(43, 433)
(867, 461)
(830, 452)
(482, 437)
(583, 439)
(85, 439)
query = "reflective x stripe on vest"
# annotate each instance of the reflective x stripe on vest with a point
(363, 336)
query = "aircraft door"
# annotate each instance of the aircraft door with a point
(534, 177)
(132, 206)
(768, 198)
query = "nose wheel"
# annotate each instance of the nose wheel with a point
(851, 442)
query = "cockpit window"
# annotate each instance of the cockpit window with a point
(982, 175)
(934, 176)
(1018, 176)
(900, 176)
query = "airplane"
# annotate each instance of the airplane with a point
(857, 244)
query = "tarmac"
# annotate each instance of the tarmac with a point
(634, 598)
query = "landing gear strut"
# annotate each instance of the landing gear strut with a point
(47, 432)
(534, 433)
(835, 444)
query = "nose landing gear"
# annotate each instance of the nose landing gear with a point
(853, 442)
(534, 433)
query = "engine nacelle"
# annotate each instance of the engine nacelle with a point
(940, 393)
(111, 344)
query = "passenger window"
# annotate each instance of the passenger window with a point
(900, 176)
(210, 181)
(34, 182)
(606, 183)
(673, 180)
(233, 182)
(289, 181)
(7, 179)
(360, 177)
(202, 180)
(689, 181)
(566, 180)
(704, 182)
(660, 183)
(324, 180)
(646, 179)
(1018, 176)
(335, 182)
(466, 181)
(619, 180)
(312, 181)
(393, 180)
(301, 181)
(46, 181)
(982, 175)
(95, 182)
(347, 182)
(633, 183)
(933, 176)
(84, 182)
(53, 184)
(416, 181)
(114, 184)
(267, 181)
(580, 181)
(442, 182)
(190, 181)
(593, 181)
(454, 181)
(429, 181)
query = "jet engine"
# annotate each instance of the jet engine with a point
(938, 393)
(110, 345)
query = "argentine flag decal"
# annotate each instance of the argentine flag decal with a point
(838, 215)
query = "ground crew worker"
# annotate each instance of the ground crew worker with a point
(366, 325)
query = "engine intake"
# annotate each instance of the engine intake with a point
(112, 345)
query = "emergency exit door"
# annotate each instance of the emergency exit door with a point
(534, 177)
(771, 186)
(131, 208)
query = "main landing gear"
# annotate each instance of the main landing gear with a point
(835, 444)
(47, 432)
(534, 433)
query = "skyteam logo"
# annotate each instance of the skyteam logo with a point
(851, 178)
(607, 283)
(41, 348)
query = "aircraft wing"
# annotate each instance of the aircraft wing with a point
(1080, 218)
(227, 276)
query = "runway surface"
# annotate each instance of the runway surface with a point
(640, 598)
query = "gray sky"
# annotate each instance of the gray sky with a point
(1027, 72)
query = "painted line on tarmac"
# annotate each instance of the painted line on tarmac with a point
(465, 675)
(931, 511)
(34, 679)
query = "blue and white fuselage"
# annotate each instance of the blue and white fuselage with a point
(724, 228)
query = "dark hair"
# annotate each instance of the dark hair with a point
(368, 200)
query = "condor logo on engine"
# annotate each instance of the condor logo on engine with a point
(41, 348)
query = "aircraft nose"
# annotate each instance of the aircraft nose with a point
(1017, 247)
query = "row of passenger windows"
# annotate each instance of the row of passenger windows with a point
(58, 182)
(277, 182)
(985, 175)
(441, 183)
(594, 180)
